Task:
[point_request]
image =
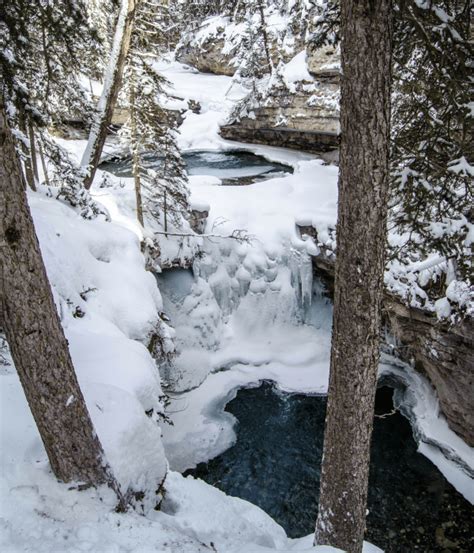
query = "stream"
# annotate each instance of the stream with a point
(411, 505)
(275, 461)
(234, 168)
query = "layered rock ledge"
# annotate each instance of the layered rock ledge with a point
(443, 352)
(300, 110)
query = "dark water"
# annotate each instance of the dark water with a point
(275, 464)
(233, 167)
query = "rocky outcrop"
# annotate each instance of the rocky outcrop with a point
(207, 56)
(198, 219)
(324, 63)
(284, 137)
(214, 47)
(443, 353)
(303, 115)
(76, 127)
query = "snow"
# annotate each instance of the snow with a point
(120, 381)
(109, 308)
(245, 315)
(461, 166)
(262, 277)
(42, 515)
(442, 308)
(39, 514)
(453, 457)
(296, 70)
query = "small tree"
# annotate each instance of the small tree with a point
(151, 128)
(112, 82)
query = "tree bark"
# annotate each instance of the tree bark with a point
(43, 163)
(263, 26)
(361, 242)
(34, 161)
(112, 83)
(29, 176)
(135, 154)
(38, 346)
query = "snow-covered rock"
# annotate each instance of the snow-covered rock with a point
(298, 107)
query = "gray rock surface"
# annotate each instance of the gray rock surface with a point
(304, 118)
(443, 353)
(207, 57)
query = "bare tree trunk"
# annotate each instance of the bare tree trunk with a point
(108, 99)
(165, 212)
(135, 155)
(263, 26)
(29, 176)
(36, 339)
(43, 163)
(34, 160)
(361, 241)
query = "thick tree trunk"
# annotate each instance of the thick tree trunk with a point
(35, 336)
(108, 99)
(361, 240)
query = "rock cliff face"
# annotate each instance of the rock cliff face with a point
(302, 115)
(214, 47)
(443, 353)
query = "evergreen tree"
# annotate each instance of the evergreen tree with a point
(151, 128)
(44, 47)
(432, 158)
(433, 154)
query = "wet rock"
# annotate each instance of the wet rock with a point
(443, 353)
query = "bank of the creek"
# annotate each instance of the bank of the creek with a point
(233, 168)
(275, 464)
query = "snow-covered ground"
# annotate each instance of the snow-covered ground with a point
(249, 312)
(262, 291)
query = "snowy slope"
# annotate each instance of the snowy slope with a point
(109, 305)
(118, 306)
(240, 321)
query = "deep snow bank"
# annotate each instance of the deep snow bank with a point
(109, 307)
